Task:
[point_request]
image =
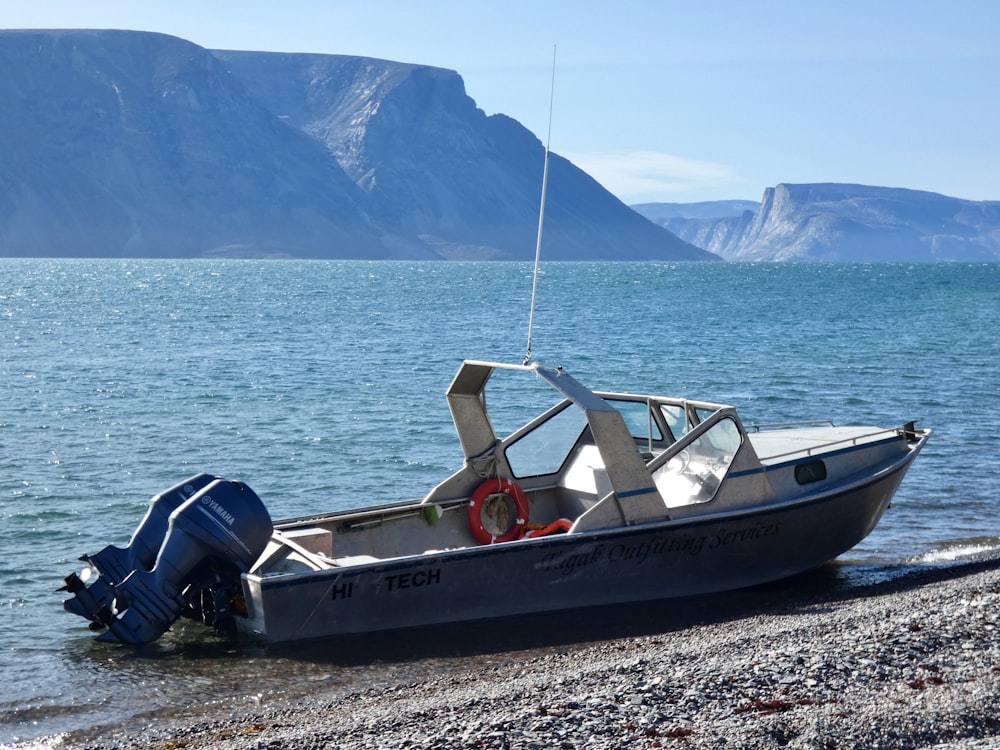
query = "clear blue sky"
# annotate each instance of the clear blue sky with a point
(662, 100)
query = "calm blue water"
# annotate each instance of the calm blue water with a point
(322, 385)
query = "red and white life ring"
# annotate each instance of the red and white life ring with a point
(492, 487)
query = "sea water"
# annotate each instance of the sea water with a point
(321, 385)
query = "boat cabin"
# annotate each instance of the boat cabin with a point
(594, 461)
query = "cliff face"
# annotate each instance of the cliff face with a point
(435, 167)
(837, 222)
(134, 144)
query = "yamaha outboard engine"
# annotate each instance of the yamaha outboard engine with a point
(211, 538)
(114, 564)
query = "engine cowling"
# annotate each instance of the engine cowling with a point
(115, 564)
(219, 531)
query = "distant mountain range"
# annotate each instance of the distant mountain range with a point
(134, 144)
(835, 222)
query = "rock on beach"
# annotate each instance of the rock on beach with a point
(908, 662)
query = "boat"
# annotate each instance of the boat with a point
(602, 498)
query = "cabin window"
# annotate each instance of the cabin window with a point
(695, 474)
(675, 418)
(701, 414)
(638, 420)
(544, 450)
(813, 471)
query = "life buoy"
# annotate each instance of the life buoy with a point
(559, 526)
(492, 488)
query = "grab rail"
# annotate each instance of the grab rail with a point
(853, 440)
(754, 427)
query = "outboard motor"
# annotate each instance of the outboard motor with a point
(211, 538)
(114, 564)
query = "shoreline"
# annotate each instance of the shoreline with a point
(912, 662)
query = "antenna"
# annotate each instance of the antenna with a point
(541, 209)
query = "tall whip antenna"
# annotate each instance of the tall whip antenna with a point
(541, 210)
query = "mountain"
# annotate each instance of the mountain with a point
(841, 222)
(435, 167)
(718, 225)
(135, 144)
(132, 144)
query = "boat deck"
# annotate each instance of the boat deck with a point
(778, 446)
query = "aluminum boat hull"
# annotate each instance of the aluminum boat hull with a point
(661, 560)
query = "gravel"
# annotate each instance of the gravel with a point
(913, 662)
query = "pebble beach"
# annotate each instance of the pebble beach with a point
(908, 662)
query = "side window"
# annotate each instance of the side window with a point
(675, 418)
(703, 414)
(722, 440)
(695, 474)
(544, 449)
(636, 416)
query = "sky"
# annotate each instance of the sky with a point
(662, 100)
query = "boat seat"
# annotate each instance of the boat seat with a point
(586, 473)
(583, 482)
